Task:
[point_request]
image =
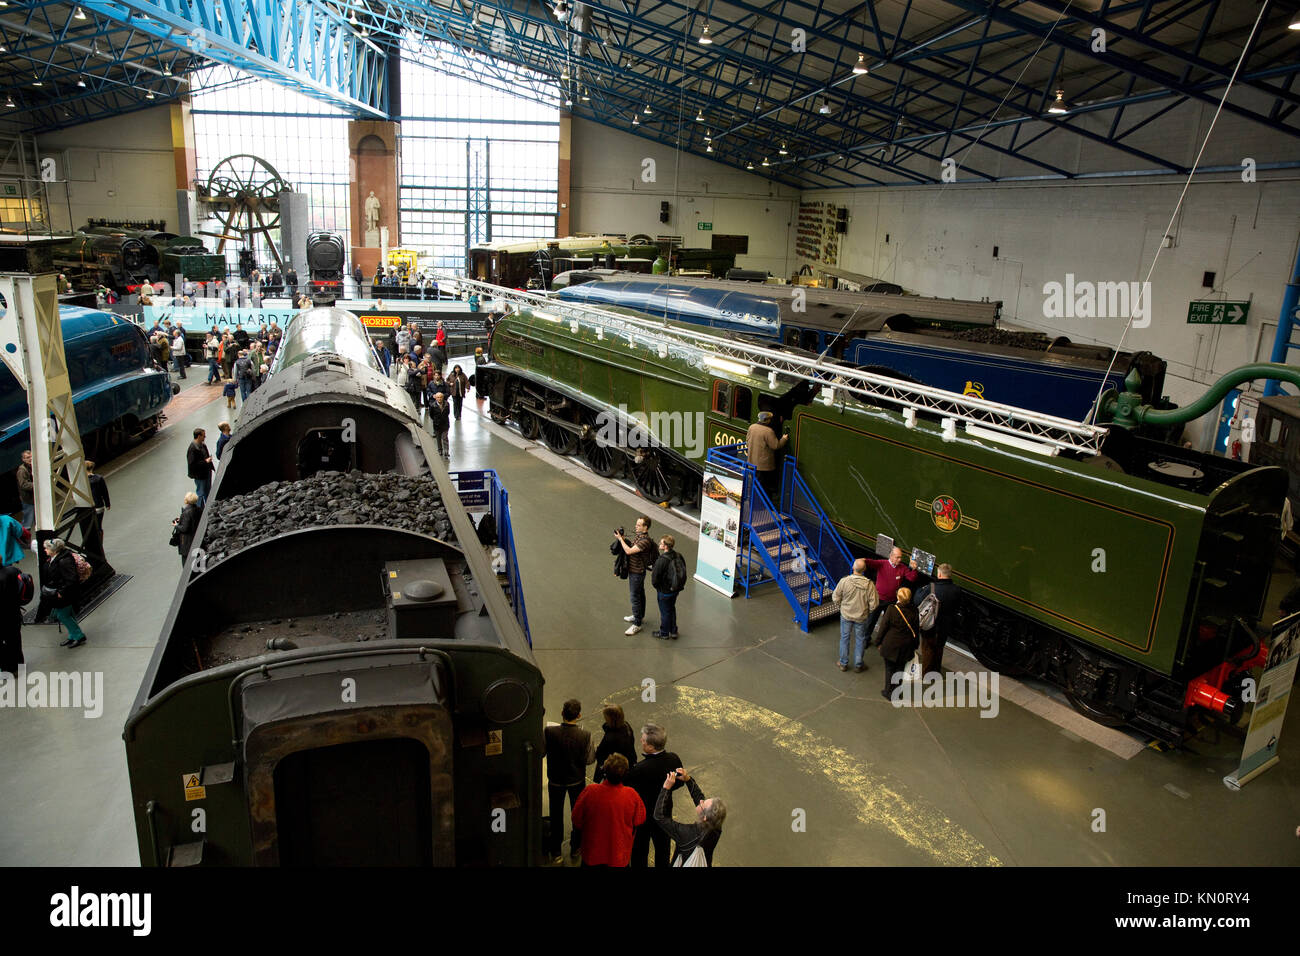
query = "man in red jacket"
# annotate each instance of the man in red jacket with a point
(890, 576)
(607, 814)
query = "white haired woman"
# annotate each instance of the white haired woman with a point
(61, 585)
(704, 833)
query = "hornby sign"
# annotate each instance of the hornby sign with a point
(381, 321)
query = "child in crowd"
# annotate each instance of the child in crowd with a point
(228, 390)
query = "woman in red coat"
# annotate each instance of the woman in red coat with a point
(608, 814)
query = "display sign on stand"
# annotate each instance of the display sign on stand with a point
(720, 519)
(1272, 695)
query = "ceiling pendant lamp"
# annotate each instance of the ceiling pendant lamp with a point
(699, 116)
(1058, 105)
(81, 82)
(860, 68)
(749, 165)
(636, 120)
(708, 148)
(586, 98)
(705, 39)
(782, 150)
(825, 108)
(765, 162)
(647, 111)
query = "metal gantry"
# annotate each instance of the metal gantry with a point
(980, 418)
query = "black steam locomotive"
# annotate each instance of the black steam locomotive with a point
(325, 261)
(341, 678)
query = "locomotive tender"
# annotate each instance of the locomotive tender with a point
(1134, 578)
(340, 678)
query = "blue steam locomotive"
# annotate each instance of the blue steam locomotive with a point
(119, 391)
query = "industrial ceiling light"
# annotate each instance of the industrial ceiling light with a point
(585, 97)
(782, 150)
(568, 100)
(1058, 106)
(1295, 22)
(860, 68)
(37, 80)
(636, 120)
(352, 17)
(749, 165)
(81, 82)
(167, 69)
(80, 14)
(708, 136)
(647, 111)
(699, 116)
(765, 162)
(149, 95)
(705, 39)
(825, 108)
(708, 148)
(9, 100)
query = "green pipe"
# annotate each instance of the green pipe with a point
(1126, 410)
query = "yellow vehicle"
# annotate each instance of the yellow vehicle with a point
(397, 258)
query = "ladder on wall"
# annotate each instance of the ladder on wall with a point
(979, 417)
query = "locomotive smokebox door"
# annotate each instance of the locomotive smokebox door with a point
(422, 603)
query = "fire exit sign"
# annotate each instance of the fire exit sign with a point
(1217, 313)
(704, 226)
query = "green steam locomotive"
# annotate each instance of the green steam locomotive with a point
(1133, 575)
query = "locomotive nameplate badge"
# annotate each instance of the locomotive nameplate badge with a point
(190, 781)
(947, 514)
(493, 747)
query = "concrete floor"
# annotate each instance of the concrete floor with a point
(816, 768)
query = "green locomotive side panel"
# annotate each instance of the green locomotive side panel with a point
(1083, 553)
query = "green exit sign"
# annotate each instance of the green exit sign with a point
(704, 226)
(10, 189)
(1217, 313)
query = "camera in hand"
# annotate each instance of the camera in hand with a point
(619, 533)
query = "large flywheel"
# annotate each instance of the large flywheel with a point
(243, 193)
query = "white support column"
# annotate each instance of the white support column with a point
(31, 345)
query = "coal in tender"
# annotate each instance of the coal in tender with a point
(327, 498)
(1034, 341)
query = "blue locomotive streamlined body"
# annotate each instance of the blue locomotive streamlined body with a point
(117, 389)
(886, 334)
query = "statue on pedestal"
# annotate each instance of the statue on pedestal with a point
(371, 208)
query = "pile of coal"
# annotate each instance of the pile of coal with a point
(1016, 340)
(326, 498)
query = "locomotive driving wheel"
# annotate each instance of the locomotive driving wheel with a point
(1089, 688)
(559, 439)
(530, 426)
(655, 476)
(601, 457)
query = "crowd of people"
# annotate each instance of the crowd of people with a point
(876, 604)
(627, 808)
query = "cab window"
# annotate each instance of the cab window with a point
(792, 337)
(721, 397)
(809, 340)
(744, 403)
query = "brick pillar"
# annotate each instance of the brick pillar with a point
(372, 149)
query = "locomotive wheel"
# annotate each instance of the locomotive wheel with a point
(529, 425)
(114, 437)
(1080, 701)
(657, 480)
(992, 658)
(604, 460)
(559, 439)
(499, 415)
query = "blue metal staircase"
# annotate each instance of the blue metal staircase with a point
(790, 541)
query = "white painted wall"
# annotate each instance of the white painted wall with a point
(117, 168)
(608, 194)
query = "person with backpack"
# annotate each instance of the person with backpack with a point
(936, 607)
(16, 589)
(61, 587)
(244, 374)
(899, 638)
(694, 842)
(668, 578)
